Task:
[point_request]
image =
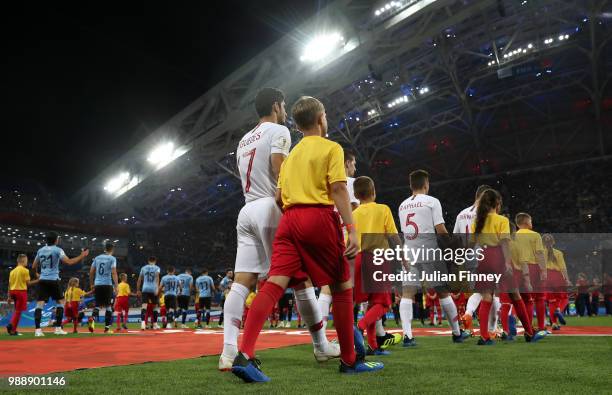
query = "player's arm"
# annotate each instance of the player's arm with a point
(92, 274)
(139, 285)
(540, 258)
(115, 278)
(505, 245)
(35, 265)
(76, 259)
(340, 196)
(157, 282)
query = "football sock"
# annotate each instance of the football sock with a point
(308, 307)
(59, 316)
(207, 317)
(143, 315)
(450, 310)
(505, 317)
(184, 316)
(344, 323)
(155, 316)
(171, 316)
(15, 319)
(528, 299)
(368, 322)
(553, 305)
(233, 310)
(540, 311)
(406, 316)
(199, 316)
(521, 312)
(95, 314)
(108, 318)
(119, 314)
(37, 317)
(380, 329)
(259, 311)
(483, 318)
(324, 303)
(472, 303)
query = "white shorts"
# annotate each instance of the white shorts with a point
(256, 227)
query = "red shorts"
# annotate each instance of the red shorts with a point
(309, 243)
(71, 310)
(537, 285)
(162, 311)
(492, 263)
(555, 281)
(20, 298)
(122, 303)
(382, 298)
(512, 283)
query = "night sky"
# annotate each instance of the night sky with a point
(83, 85)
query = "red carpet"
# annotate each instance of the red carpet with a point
(52, 354)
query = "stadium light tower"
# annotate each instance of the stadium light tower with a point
(121, 183)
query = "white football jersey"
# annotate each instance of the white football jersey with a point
(351, 191)
(418, 215)
(253, 158)
(463, 224)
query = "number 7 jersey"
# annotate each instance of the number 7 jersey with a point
(419, 215)
(253, 159)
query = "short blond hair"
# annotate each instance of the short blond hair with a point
(306, 111)
(21, 258)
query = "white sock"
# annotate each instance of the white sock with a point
(448, 305)
(309, 309)
(232, 313)
(406, 316)
(494, 313)
(472, 303)
(324, 303)
(380, 330)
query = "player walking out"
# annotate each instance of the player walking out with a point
(184, 296)
(169, 286)
(148, 281)
(49, 258)
(260, 154)
(204, 286)
(103, 280)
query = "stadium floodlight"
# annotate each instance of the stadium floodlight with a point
(165, 153)
(116, 183)
(321, 47)
(530, 45)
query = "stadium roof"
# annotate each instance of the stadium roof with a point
(456, 87)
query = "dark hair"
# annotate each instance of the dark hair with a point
(265, 99)
(363, 187)
(204, 271)
(306, 111)
(549, 240)
(520, 218)
(348, 154)
(109, 247)
(170, 269)
(228, 270)
(188, 270)
(489, 200)
(52, 238)
(152, 259)
(418, 178)
(481, 189)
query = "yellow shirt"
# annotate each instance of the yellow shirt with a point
(528, 243)
(495, 229)
(307, 173)
(74, 294)
(162, 301)
(249, 299)
(375, 220)
(559, 265)
(514, 253)
(123, 289)
(18, 279)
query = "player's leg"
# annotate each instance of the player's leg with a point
(368, 322)
(540, 306)
(504, 315)
(470, 308)
(483, 316)
(310, 312)
(207, 314)
(43, 296)
(494, 315)
(324, 302)
(155, 312)
(59, 310)
(406, 313)
(143, 313)
(233, 311)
